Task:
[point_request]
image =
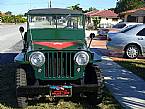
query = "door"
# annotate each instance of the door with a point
(141, 38)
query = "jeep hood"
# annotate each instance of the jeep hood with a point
(58, 45)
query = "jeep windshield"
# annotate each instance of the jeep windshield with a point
(58, 21)
(56, 24)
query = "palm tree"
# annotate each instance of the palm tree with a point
(75, 7)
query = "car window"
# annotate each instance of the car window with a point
(128, 28)
(141, 33)
(119, 26)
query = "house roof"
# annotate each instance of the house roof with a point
(132, 11)
(48, 11)
(103, 13)
(91, 12)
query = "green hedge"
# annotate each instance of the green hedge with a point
(13, 19)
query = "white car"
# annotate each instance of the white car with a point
(130, 42)
(103, 32)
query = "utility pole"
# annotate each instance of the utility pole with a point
(49, 4)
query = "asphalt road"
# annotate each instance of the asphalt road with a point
(10, 42)
(9, 36)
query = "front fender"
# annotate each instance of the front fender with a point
(20, 58)
(96, 58)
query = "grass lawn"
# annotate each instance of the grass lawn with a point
(108, 103)
(8, 99)
(137, 66)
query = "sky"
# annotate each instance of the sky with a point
(22, 6)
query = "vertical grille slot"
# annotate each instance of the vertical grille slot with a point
(72, 64)
(59, 65)
(50, 65)
(46, 65)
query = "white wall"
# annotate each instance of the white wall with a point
(104, 22)
(108, 22)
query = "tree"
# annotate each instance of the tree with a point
(75, 7)
(96, 22)
(124, 5)
(90, 9)
(112, 9)
(8, 13)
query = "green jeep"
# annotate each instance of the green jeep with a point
(56, 61)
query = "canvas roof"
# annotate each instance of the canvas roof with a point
(51, 11)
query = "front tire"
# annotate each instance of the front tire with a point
(94, 76)
(21, 80)
(131, 51)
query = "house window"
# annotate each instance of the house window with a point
(114, 19)
(144, 19)
(100, 18)
(131, 18)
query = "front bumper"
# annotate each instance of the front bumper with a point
(26, 91)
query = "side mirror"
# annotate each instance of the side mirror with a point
(92, 35)
(21, 29)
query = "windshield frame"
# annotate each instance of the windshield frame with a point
(82, 17)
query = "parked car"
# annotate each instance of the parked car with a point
(102, 33)
(130, 41)
(56, 58)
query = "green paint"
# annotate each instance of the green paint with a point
(57, 34)
(60, 61)
(77, 75)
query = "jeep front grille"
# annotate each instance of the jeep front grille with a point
(59, 65)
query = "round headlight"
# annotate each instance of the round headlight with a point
(37, 59)
(82, 58)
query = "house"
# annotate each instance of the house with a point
(104, 18)
(136, 15)
(1, 15)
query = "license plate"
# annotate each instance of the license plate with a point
(61, 91)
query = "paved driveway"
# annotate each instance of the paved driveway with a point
(126, 87)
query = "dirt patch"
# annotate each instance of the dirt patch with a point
(98, 43)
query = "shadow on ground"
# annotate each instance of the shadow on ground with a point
(7, 79)
(6, 58)
(100, 51)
